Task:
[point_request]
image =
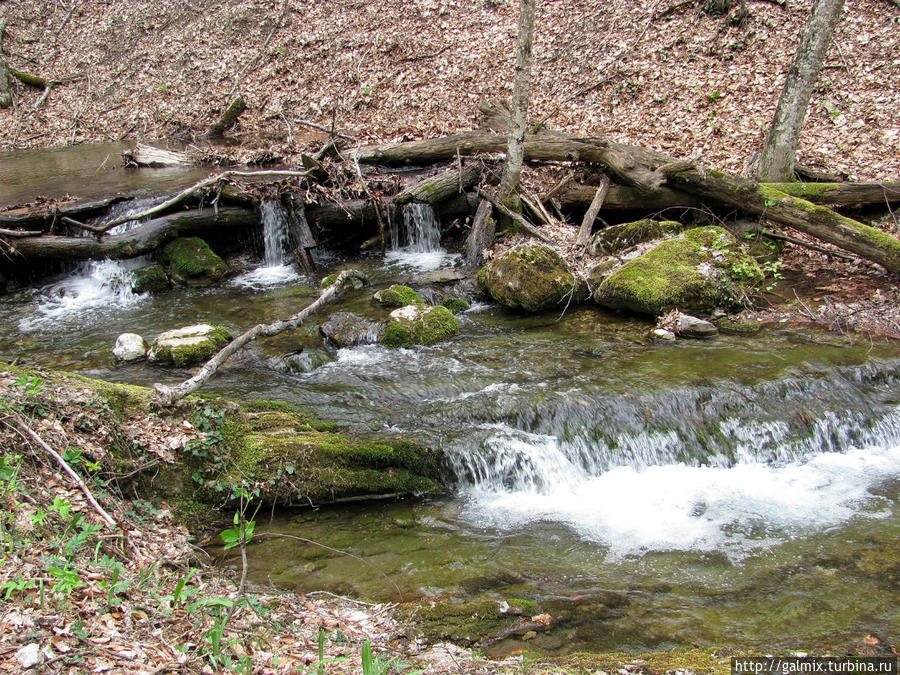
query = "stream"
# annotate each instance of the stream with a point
(742, 491)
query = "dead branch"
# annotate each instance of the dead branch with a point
(519, 220)
(587, 224)
(320, 127)
(168, 395)
(196, 187)
(228, 118)
(19, 234)
(28, 431)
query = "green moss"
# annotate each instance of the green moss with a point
(327, 281)
(814, 192)
(690, 660)
(731, 327)
(188, 352)
(627, 235)
(456, 305)
(471, 622)
(432, 326)
(529, 276)
(150, 279)
(192, 258)
(398, 296)
(700, 270)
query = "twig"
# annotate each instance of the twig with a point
(409, 59)
(321, 127)
(558, 187)
(68, 469)
(169, 395)
(65, 21)
(19, 234)
(809, 312)
(519, 220)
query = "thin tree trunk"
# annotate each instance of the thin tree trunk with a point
(587, 224)
(5, 78)
(515, 149)
(776, 163)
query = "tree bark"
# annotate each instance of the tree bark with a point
(621, 198)
(817, 221)
(776, 163)
(515, 146)
(587, 223)
(5, 78)
(147, 155)
(481, 235)
(441, 187)
(842, 194)
(301, 236)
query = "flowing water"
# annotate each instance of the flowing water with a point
(742, 491)
(417, 243)
(275, 269)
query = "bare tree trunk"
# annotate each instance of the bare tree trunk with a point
(515, 150)
(5, 78)
(481, 236)
(776, 163)
(587, 224)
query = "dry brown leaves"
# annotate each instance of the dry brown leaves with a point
(385, 70)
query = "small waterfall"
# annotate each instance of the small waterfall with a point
(127, 208)
(423, 231)
(276, 232)
(94, 287)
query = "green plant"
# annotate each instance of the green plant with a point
(715, 96)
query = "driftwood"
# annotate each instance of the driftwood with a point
(168, 395)
(147, 155)
(144, 239)
(441, 187)
(587, 224)
(816, 221)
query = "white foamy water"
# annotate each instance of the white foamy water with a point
(668, 507)
(421, 236)
(95, 287)
(268, 277)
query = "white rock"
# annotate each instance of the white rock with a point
(30, 656)
(409, 313)
(662, 334)
(130, 347)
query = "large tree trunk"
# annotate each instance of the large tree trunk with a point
(817, 221)
(441, 187)
(515, 146)
(776, 163)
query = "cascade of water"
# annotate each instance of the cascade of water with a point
(276, 235)
(423, 231)
(127, 208)
(95, 286)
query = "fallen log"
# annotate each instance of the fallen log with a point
(816, 221)
(442, 186)
(842, 194)
(168, 395)
(629, 164)
(621, 198)
(144, 239)
(149, 156)
(227, 119)
(39, 216)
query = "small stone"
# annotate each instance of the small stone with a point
(130, 347)
(662, 335)
(530, 635)
(692, 327)
(30, 656)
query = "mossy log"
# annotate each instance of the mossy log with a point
(144, 239)
(816, 221)
(842, 194)
(442, 186)
(228, 118)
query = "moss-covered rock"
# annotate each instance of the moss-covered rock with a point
(529, 276)
(455, 305)
(150, 279)
(415, 325)
(189, 345)
(597, 273)
(616, 238)
(730, 326)
(397, 296)
(700, 270)
(191, 258)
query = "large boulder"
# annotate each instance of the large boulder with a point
(397, 296)
(189, 345)
(615, 238)
(191, 259)
(419, 325)
(528, 276)
(346, 329)
(700, 270)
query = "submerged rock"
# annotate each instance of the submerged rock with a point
(528, 276)
(130, 347)
(189, 345)
(300, 362)
(191, 259)
(700, 270)
(346, 329)
(398, 296)
(419, 325)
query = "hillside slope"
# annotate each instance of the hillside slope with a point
(686, 83)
